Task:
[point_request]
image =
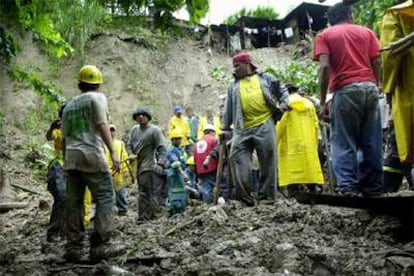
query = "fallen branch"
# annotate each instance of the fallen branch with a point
(179, 227)
(5, 206)
(30, 190)
(71, 267)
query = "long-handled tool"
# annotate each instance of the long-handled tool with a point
(400, 46)
(331, 177)
(219, 175)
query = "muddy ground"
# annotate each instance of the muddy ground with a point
(286, 238)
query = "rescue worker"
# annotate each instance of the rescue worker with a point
(193, 122)
(192, 186)
(56, 184)
(178, 122)
(250, 106)
(119, 178)
(147, 144)
(176, 174)
(206, 153)
(85, 131)
(209, 119)
(350, 65)
(297, 144)
(397, 76)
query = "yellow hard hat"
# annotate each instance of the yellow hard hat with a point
(176, 133)
(90, 74)
(190, 161)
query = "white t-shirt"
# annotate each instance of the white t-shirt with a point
(84, 146)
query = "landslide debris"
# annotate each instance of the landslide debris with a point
(286, 238)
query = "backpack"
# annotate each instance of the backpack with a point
(177, 195)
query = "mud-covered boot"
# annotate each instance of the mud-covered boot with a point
(104, 252)
(73, 254)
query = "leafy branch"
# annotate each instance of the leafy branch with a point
(49, 93)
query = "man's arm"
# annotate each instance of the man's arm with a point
(160, 149)
(376, 67)
(323, 76)
(227, 119)
(131, 142)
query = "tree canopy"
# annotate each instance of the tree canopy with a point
(265, 12)
(369, 12)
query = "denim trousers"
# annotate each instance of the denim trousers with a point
(207, 183)
(121, 199)
(356, 126)
(56, 185)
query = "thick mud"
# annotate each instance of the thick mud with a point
(286, 238)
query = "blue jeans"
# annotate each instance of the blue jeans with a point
(356, 125)
(121, 200)
(56, 185)
(207, 183)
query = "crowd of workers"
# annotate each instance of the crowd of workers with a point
(267, 137)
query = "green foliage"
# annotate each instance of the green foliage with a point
(197, 9)
(35, 17)
(8, 48)
(298, 72)
(38, 155)
(220, 73)
(160, 10)
(77, 23)
(50, 94)
(264, 12)
(369, 12)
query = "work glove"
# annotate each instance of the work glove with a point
(206, 162)
(158, 169)
(56, 124)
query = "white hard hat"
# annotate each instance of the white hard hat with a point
(209, 127)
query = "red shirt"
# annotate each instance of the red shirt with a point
(350, 49)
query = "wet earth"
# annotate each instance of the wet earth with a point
(284, 238)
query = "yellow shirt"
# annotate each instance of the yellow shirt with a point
(182, 125)
(254, 106)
